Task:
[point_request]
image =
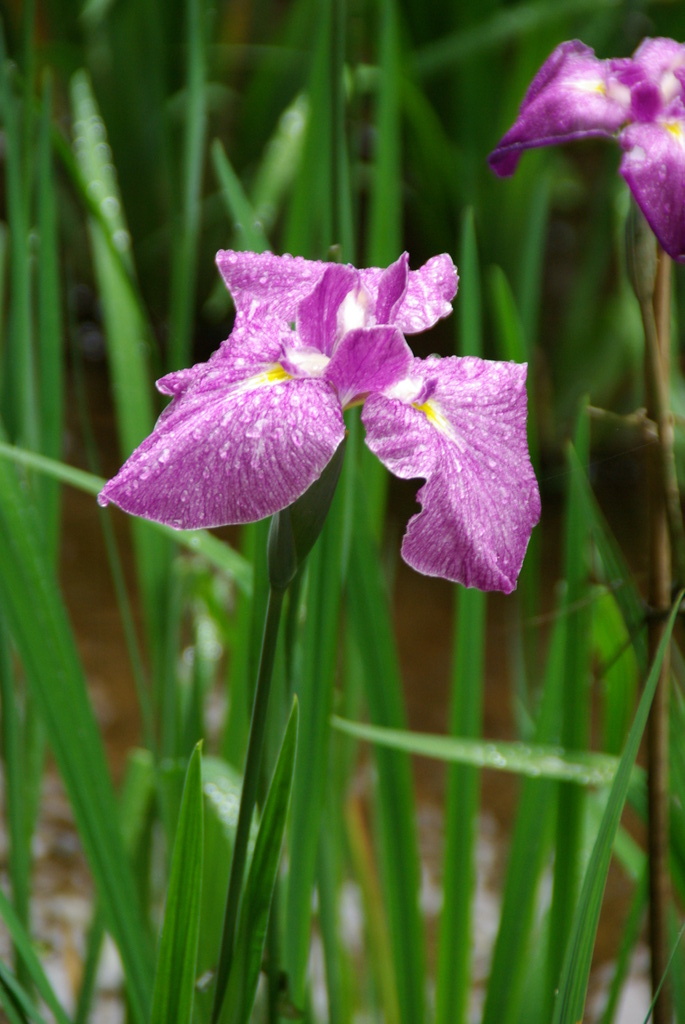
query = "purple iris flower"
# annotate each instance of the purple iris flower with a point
(639, 100)
(249, 431)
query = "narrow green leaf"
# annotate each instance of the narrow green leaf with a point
(25, 948)
(616, 573)
(246, 224)
(18, 383)
(219, 554)
(530, 759)
(371, 622)
(385, 213)
(512, 342)
(469, 309)
(462, 801)
(15, 1001)
(259, 887)
(505, 25)
(315, 684)
(18, 824)
(512, 964)
(280, 163)
(128, 335)
(575, 712)
(49, 340)
(33, 606)
(186, 237)
(174, 985)
(570, 1002)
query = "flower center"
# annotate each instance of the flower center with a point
(354, 311)
(303, 362)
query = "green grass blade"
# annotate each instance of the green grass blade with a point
(385, 211)
(616, 573)
(535, 819)
(372, 629)
(128, 336)
(15, 1001)
(34, 610)
(280, 163)
(14, 764)
(504, 26)
(50, 347)
(533, 760)
(570, 1001)
(466, 713)
(185, 241)
(315, 688)
(469, 307)
(310, 221)
(19, 399)
(246, 223)
(25, 948)
(260, 884)
(574, 725)
(219, 554)
(174, 984)
(127, 329)
(629, 939)
(381, 967)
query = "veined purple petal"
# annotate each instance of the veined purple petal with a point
(368, 359)
(317, 314)
(392, 287)
(468, 441)
(428, 296)
(230, 452)
(252, 347)
(654, 77)
(659, 56)
(653, 165)
(574, 95)
(265, 284)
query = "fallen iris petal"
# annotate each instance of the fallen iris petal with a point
(468, 441)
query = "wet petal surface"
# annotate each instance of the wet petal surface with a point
(653, 165)
(468, 441)
(231, 452)
(574, 95)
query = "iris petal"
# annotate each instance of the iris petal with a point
(468, 441)
(317, 314)
(427, 298)
(653, 165)
(265, 284)
(574, 95)
(231, 451)
(368, 359)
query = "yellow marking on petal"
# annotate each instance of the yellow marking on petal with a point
(275, 374)
(434, 416)
(590, 85)
(675, 128)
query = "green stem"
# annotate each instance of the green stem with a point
(649, 269)
(248, 797)
(663, 514)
